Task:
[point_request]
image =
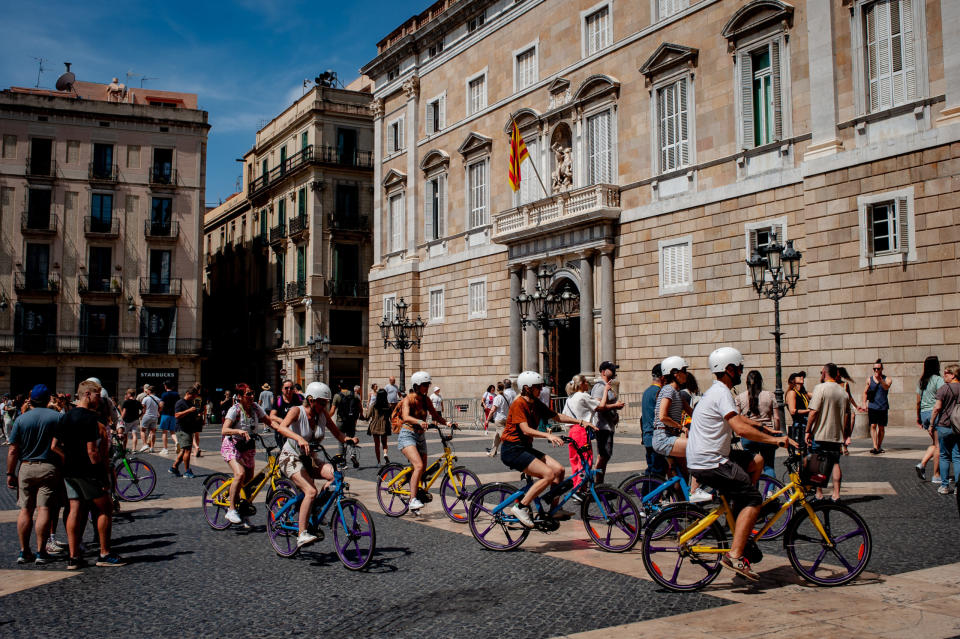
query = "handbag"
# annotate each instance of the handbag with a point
(243, 445)
(816, 470)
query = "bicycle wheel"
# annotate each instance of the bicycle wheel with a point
(818, 562)
(391, 501)
(282, 484)
(639, 488)
(282, 527)
(215, 510)
(354, 536)
(137, 483)
(674, 567)
(496, 531)
(613, 522)
(456, 498)
(767, 486)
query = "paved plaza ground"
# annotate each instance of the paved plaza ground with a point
(430, 578)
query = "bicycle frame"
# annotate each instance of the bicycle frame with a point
(446, 464)
(667, 485)
(316, 517)
(270, 473)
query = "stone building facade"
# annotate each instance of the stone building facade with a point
(287, 257)
(101, 204)
(673, 138)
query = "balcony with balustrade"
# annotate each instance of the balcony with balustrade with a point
(162, 177)
(35, 283)
(347, 291)
(103, 174)
(41, 170)
(99, 228)
(159, 232)
(154, 288)
(578, 207)
(92, 287)
(38, 223)
(298, 227)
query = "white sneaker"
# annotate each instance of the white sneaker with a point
(233, 516)
(415, 504)
(305, 538)
(522, 514)
(936, 480)
(143, 449)
(164, 452)
(699, 496)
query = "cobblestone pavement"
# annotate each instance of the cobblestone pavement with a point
(430, 578)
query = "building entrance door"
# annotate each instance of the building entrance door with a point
(565, 360)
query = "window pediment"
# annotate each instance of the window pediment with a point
(524, 118)
(559, 85)
(668, 56)
(394, 178)
(434, 159)
(596, 86)
(474, 143)
(755, 16)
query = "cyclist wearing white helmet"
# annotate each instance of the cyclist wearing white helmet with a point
(412, 440)
(303, 426)
(733, 473)
(669, 435)
(517, 450)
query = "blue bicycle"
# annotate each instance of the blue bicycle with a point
(354, 535)
(654, 493)
(610, 516)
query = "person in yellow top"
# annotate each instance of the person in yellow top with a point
(412, 440)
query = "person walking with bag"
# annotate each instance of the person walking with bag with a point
(878, 405)
(378, 424)
(930, 382)
(581, 406)
(946, 415)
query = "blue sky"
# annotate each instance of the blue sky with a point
(246, 60)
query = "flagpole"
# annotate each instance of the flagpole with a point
(533, 161)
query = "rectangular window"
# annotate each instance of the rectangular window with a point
(38, 266)
(530, 189)
(281, 274)
(526, 69)
(477, 299)
(673, 131)
(393, 74)
(389, 308)
(666, 8)
(433, 208)
(102, 160)
(303, 140)
(676, 273)
(436, 114)
(396, 223)
(477, 193)
(891, 67)
(347, 147)
(600, 158)
(882, 229)
(302, 263)
(160, 267)
(38, 209)
(6, 203)
(346, 265)
(9, 147)
(395, 136)
(436, 304)
(596, 28)
(264, 170)
(264, 221)
(887, 234)
(302, 202)
(133, 156)
(347, 205)
(98, 268)
(476, 21)
(477, 94)
(760, 95)
(101, 212)
(758, 235)
(281, 212)
(161, 216)
(300, 328)
(73, 151)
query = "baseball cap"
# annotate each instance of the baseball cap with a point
(436, 388)
(608, 365)
(40, 392)
(656, 372)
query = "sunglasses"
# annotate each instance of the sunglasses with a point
(878, 369)
(288, 388)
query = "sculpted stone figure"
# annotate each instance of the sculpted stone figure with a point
(563, 173)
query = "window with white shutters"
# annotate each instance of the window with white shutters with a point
(434, 208)
(526, 68)
(436, 114)
(396, 223)
(395, 136)
(666, 8)
(599, 151)
(676, 274)
(761, 94)
(436, 304)
(477, 193)
(530, 189)
(673, 130)
(597, 32)
(890, 53)
(887, 228)
(477, 298)
(389, 308)
(477, 94)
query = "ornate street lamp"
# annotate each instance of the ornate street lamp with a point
(406, 334)
(318, 346)
(775, 270)
(544, 309)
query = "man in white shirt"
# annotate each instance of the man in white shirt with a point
(501, 407)
(508, 391)
(148, 421)
(824, 434)
(437, 399)
(732, 473)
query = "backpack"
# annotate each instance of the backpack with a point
(396, 417)
(345, 408)
(954, 415)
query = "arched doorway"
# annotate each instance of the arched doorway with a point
(563, 361)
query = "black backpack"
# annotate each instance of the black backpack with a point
(348, 408)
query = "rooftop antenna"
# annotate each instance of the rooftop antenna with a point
(144, 79)
(66, 81)
(40, 61)
(131, 74)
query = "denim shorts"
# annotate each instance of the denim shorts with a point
(407, 437)
(925, 418)
(663, 441)
(168, 422)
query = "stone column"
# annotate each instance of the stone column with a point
(823, 106)
(376, 108)
(608, 329)
(531, 351)
(949, 28)
(587, 360)
(516, 331)
(411, 87)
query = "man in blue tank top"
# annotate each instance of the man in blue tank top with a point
(878, 405)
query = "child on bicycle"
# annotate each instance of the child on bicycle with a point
(302, 426)
(517, 451)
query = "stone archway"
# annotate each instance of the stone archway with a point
(563, 361)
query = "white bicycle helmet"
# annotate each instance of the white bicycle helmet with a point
(317, 390)
(94, 380)
(723, 357)
(529, 378)
(420, 377)
(673, 363)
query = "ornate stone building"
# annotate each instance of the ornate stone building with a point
(673, 139)
(287, 258)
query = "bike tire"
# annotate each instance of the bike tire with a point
(282, 484)
(139, 485)
(456, 503)
(391, 502)
(499, 531)
(283, 540)
(768, 485)
(807, 550)
(354, 536)
(622, 526)
(215, 513)
(664, 551)
(639, 487)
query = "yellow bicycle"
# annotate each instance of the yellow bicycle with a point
(827, 543)
(456, 487)
(216, 490)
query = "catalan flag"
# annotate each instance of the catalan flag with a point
(518, 153)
